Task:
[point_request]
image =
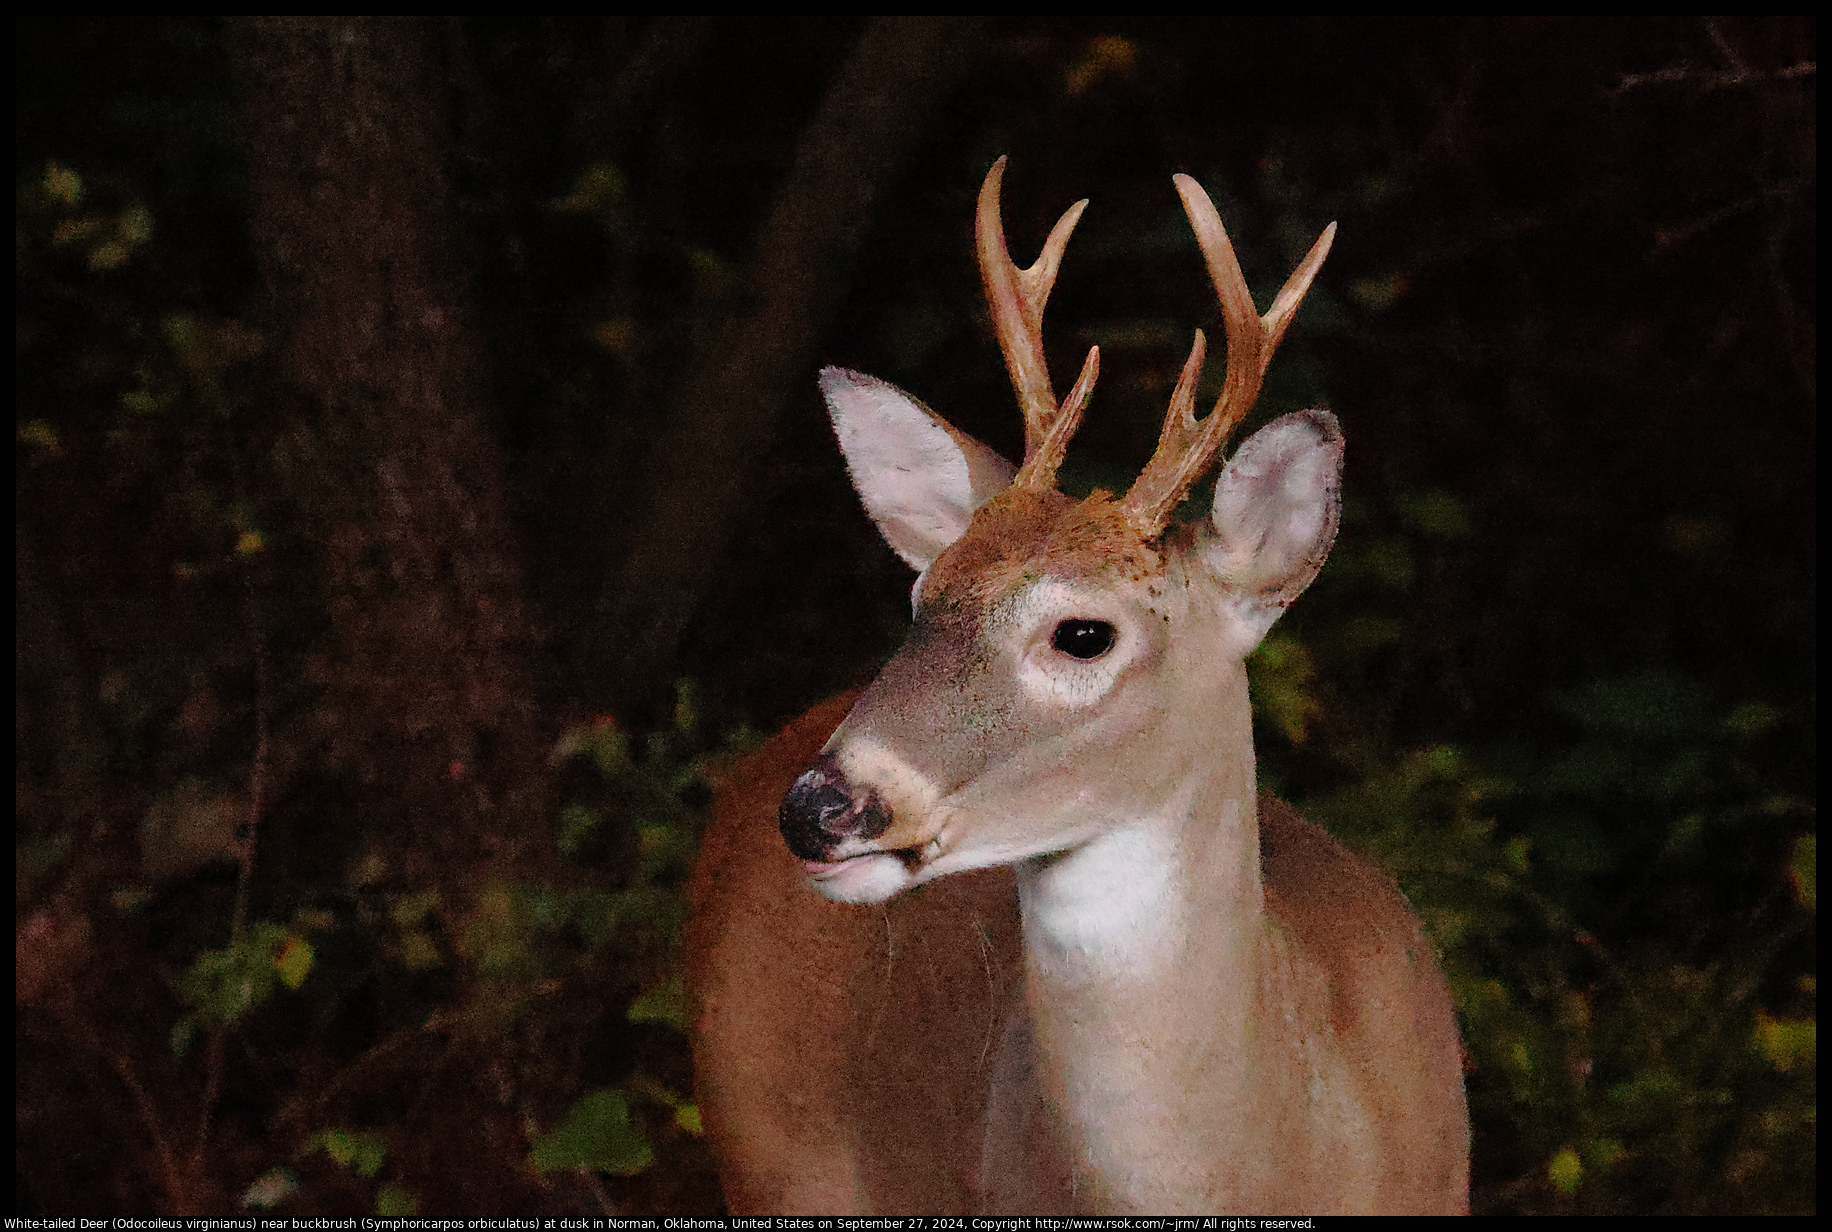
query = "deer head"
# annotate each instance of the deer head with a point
(1074, 665)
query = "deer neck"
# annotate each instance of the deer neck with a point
(1145, 952)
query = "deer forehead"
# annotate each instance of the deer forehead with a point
(1022, 537)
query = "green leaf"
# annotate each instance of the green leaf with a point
(598, 1133)
(63, 185)
(135, 226)
(497, 937)
(600, 188)
(1646, 705)
(1565, 1170)
(577, 822)
(294, 961)
(313, 920)
(1281, 670)
(1368, 632)
(39, 435)
(361, 1151)
(396, 1201)
(1516, 852)
(1387, 561)
(1433, 513)
(653, 907)
(686, 706)
(222, 985)
(271, 1188)
(1645, 1090)
(610, 750)
(1751, 719)
(419, 952)
(1803, 871)
(1378, 294)
(666, 1003)
(1786, 1043)
(409, 911)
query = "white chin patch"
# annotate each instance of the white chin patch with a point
(860, 880)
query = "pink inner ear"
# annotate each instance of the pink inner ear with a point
(1277, 505)
(918, 477)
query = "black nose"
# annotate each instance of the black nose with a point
(823, 809)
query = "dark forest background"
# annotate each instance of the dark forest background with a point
(423, 495)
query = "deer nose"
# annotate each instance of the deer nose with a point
(823, 809)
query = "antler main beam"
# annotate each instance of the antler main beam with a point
(1017, 298)
(1186, 447)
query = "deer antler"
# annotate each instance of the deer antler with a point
(1017, 298)
(1185, 448)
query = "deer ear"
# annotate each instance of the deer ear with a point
(919, 478)
(1276, 508)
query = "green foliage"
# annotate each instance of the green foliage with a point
(360, 1151)
(1802, 868)
(598, 1133)
(1604, 1047)
(271, 1188)
(105, 239)
(615, 912)
(396, 1202)
(1281, 672)
(418, 946)
(666, 1003)
(1603, 1058)
(223, 985)
(1433, 513)
(1565, 1170)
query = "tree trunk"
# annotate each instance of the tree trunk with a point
(699, 473)
(421, 692)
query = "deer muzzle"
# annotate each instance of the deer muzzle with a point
(824, 812)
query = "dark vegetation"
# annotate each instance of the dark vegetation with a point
(422, 492)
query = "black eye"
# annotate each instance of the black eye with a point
(1083, 639)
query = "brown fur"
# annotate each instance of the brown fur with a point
(1021, 526)
(843, 1054)
(815, 1025)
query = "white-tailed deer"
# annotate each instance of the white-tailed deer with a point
(1066, 959)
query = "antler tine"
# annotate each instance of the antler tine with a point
(1285, 304)
(1017, 298)
(1186, 448)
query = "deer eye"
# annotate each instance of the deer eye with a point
(1083, 639)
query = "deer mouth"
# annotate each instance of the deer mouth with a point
(869, 877)
(853, 843)
(912, 859)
